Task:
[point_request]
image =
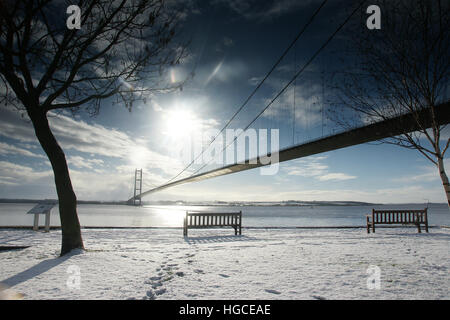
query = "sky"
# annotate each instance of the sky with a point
(233, 45)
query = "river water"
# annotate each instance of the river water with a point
(90, 215)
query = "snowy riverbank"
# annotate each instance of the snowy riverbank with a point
(215, 264)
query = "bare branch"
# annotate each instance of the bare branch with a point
(403, 69)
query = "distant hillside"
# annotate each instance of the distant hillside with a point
(259, 203)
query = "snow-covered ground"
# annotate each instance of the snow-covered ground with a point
(215, 264)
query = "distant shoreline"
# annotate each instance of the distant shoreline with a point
(290, 203)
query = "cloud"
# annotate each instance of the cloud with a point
(108, 185)
(255, 80)
(427, 173)
(95, 145)
(7, 149)
(15, 127)
(81, 162)
(263, 10)
(101, 160)
(116, 183)
(15, 174)
(336, 177)
(314, 167)
(93, 139)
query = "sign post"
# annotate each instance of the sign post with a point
(42, 208)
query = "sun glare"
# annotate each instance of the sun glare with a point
(180, 123)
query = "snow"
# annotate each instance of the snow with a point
(160, 263)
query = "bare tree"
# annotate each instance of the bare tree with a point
(121, 51)
(402, 68)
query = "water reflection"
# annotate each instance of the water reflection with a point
(167, 215)
(12, 214)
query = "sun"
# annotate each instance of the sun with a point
(180, 123)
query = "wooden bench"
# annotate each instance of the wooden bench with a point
(403, 217)
(201, 220)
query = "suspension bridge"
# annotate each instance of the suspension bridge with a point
(302, 108)
(373, 132)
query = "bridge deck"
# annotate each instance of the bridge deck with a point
(372, 132)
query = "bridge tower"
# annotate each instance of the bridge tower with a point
(137, 187)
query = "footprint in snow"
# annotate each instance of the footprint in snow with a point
(150, 295)
(273, 291)
(224, 275)
(160, 291)
(319, 298)
(198, 271)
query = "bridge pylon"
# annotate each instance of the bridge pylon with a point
(137, 201)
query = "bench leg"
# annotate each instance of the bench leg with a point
(418, 228)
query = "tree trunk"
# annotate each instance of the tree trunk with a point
(70, 225)
(444, 178)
